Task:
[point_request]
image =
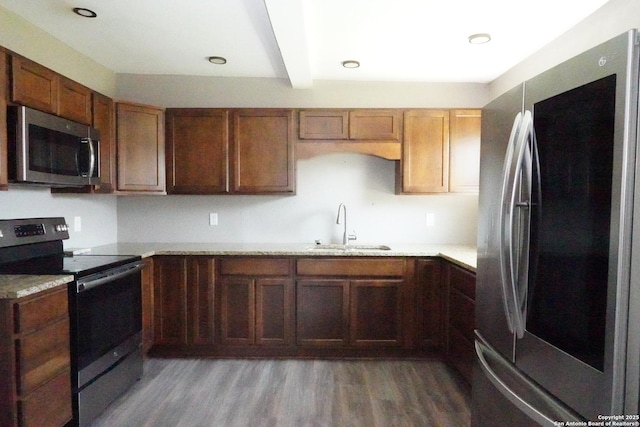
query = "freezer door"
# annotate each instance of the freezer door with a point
(503, 396)
(492, 309)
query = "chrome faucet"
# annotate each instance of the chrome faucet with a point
(345, 236)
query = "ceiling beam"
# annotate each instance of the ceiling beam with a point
(288, 24)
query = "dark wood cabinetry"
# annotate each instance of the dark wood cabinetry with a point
(431, 304)
(464, 151)
(43, 89)
(140, 148)
(424, 167)
(103, 121)
(146, 287)
(376, 125)
(460, 318)
(4, 87)
(262, 151)
(256, 301)
(351, 302)
(183, 297)
(35, 360)
(197, 158)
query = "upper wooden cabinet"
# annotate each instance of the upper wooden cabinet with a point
(424, 167)
(464, 151)
(140, 148)
(103, 121)
(262, 151)
(4, 82)
(43, 89)
(197, 151)
(382, 125)
(357, 125)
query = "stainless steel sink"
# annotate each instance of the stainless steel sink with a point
(339, 247)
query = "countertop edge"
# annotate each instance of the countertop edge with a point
(14, 286)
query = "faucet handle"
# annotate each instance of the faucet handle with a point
(352, 236)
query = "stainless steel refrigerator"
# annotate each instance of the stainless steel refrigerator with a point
(558, 271)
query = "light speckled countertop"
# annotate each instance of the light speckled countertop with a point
(17, 286)
(465, 256)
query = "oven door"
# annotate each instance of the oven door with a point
(106, 320)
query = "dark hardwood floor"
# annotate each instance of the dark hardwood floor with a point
(296, 393)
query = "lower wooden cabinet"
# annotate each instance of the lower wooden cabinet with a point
(4, 83)
(256, 301)
(431, 304)
(460, 284)
(183, 298)
(362, 305)
(146, 287)
(35, 360)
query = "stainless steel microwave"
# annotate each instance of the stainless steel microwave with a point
(49, 150)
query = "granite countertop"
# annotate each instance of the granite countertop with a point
(465, 256)
(18, 285)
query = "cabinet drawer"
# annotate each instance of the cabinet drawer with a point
(42, 355)
(461, 313)
(464, 281)
(38, 312)
(255, 266)
(368, 267)
(49, 405)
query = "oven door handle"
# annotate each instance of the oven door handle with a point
(98, 279)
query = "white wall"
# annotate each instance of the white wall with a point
(612, 19)
(98, 213)
(26, 39)
(364, 183)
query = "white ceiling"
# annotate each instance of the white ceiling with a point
(306, 40)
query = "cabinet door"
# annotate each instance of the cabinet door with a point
(323, 312)
(464, 151)
(262, 151)
(384, 125)
(140, 147)
(237, 312)
(103, 121)
(170, 300)
(327, 124)
(197, 151)
(4, 82)
(376, 312)
(461, 318)
(425, 152)
(74, 101)
(146, 287)
(430, 304)
(274, 306)
(200, 290)
(34, 85)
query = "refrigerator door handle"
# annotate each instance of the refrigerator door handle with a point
(513, 223)
(531, 411)
(505, 238)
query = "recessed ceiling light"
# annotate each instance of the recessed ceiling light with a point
(480, 38)
(219, 60)
(350, 64)
(85, 13)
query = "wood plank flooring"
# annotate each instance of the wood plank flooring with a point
(296, 393)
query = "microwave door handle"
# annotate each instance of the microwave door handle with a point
(504, 233)
(92, 157)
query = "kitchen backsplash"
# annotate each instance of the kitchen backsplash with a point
(364, 183)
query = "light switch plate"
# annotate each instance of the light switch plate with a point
(213, 219)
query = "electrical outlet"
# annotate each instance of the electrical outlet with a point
(213, 219)
(431, 219)
(77, 224)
